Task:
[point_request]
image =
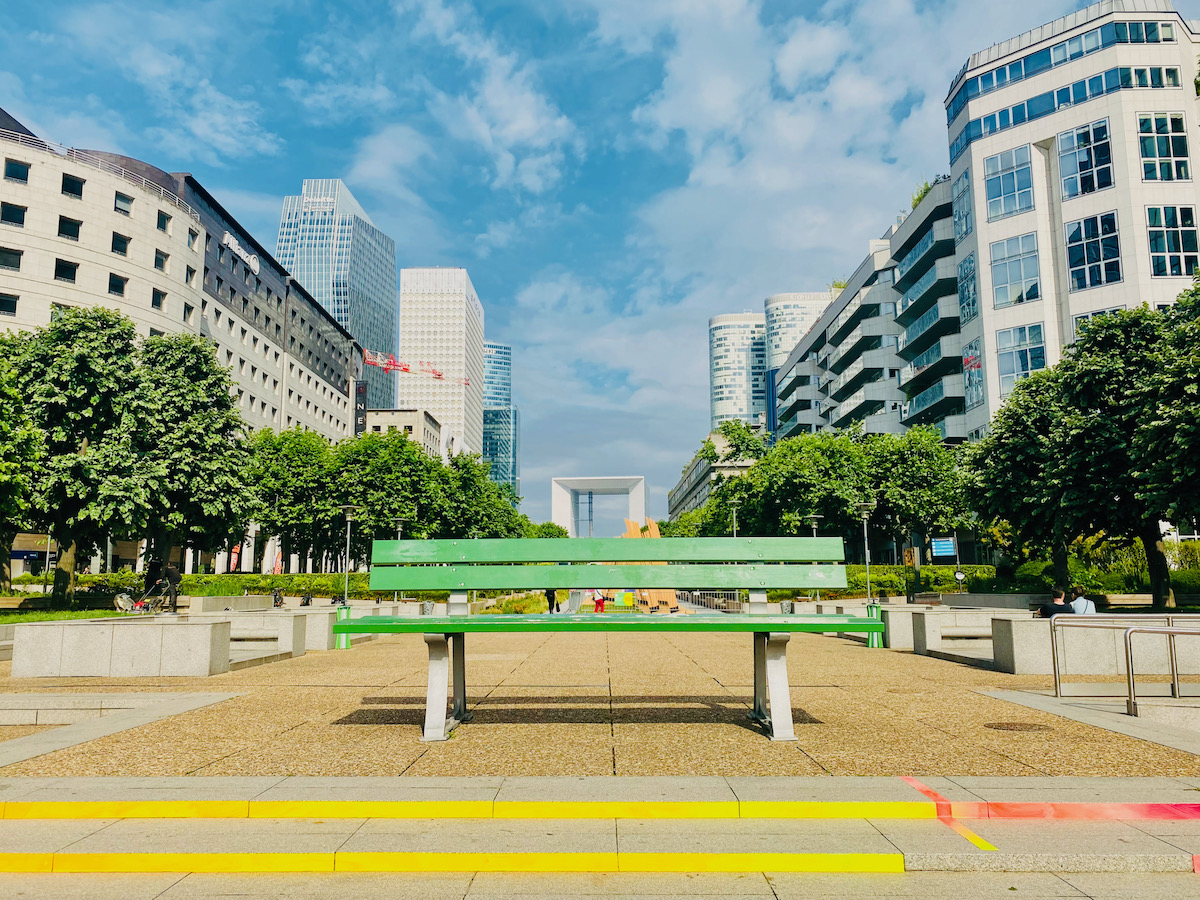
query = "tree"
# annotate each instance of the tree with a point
(81, 382)
(194, 433)
(291, 473)
(20, 451)
(917, 485)
(744, 442)
(545, 530)
(477, 505)
(1016, 473)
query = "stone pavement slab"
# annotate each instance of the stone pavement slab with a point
(47, 836)
(925, 886)
(1066, 789)
(751, 836)
(217, 836)
(114, 789)
(381, 789)
(483, 836)
(1122, 886)
(707, 884)
(608, 788)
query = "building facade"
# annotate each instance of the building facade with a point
(441, 337)
(701, 475)
(89, 228)
(420, 426)
(501, 418)
(332, 247)
(1074, 193)
(737, 365)
(788, 318)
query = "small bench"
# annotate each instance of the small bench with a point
(753, 564)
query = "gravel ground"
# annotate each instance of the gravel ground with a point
(596, 704)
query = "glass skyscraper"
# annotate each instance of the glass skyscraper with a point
(332, 247)
(501, 420)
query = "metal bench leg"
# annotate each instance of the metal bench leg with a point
(778, 691)
(437, 726)
(759, 712)
(758, 603)
(458, 649)
(458, 604)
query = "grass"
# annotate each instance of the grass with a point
(50, 615)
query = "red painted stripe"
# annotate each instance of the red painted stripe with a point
(1196, 865)
(1093, 811)
(943, 805)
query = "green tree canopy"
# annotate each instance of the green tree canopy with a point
(20, 453)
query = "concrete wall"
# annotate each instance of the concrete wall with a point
(221, 604)
(1022, 647)
(129, 648)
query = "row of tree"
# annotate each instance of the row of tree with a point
(1104, 445)
(105, 436)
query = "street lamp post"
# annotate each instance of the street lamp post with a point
(399, 535)
(349, 511)
(735, 504)
(813, 519)
(865, 510)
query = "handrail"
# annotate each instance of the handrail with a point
(1118, 623)
(96, 162)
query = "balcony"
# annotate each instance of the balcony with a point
(801, 374)
(940, 238)
(942, 398)
(953, 428)
(939, 320)
(864, 337)
(942, 358)
(868, 399)
(940, 280)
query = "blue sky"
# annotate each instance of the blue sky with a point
(611, 172)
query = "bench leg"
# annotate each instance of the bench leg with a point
(437, 726)
(458, 647)
(758, 603)
(772, 694)
(458, 604)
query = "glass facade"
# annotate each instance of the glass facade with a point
(737, 368)
(501, 420)
(331, 246)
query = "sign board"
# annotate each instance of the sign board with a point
(909, 556)
(360, 407)
(943, 546)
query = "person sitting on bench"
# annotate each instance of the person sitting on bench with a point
(1057, 605)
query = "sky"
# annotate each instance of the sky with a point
(611, 173)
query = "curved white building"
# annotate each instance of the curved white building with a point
(737, 368)
(789, 316)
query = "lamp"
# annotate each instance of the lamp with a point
(349, 510)
(865, 510)
(735, 504)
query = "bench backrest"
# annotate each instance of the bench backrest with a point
(679, 563)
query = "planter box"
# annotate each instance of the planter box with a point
(120, 648)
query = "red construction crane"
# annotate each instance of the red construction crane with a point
(389, 363)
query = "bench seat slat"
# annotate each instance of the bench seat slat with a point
(699, 576)
(527, 550)
(614, 622)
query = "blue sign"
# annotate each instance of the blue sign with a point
(943, 546)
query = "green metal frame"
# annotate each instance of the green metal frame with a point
(515, 578)
(609, 550)
(524, 624)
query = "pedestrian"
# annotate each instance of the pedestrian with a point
(172, 578)
(1080, 603)
(599, 601)
(551, 601)
(1057, 605)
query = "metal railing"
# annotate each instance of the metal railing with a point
(96, 162)
(720, 601)
(1120, 623)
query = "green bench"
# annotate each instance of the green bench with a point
(752, 564)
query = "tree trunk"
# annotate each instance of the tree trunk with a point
(1062, 570)
(1156, 562)
(64, 576)
(7, 536)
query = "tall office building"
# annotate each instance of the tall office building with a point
(788, 317)
(441, 338)
(1073, 190)
(501, 419)
(737, 364)
(334, 249)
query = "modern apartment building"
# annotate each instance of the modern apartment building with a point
(501, 418)
(441, 338)
(788, 318)
(418, 424)
(700, 476)
(737, 366)
(1073, 193)
(333, 248)
(89, 228)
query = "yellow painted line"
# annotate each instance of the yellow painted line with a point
(761, 862)
(477, 862)
(967, 833)
(26, 862)
(604, 809)
(193, 862)
(370, 809)
(852, 809)
(127, 809)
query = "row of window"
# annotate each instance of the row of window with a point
(1067, 51)
(1118, 79)
(1020, 352)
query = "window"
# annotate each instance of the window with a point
(1019, 352)
(157, 298)
(160, 260)
(8, 304)
(69, 228)
(11, 214)
(190, 277)
(1081, 321)
(10, 259)
(120, 244)
(1009, 183)
(123, 203)
(962, 206)
(15, 170)
(973, 374)
(1164, 147)
(154, 332)
(193, 236)
(116, 284)
(72, 186)
(1093, 251)
(968, 290)
(189, 313)
(221, 254)
(65, 271)
(164, 222)
(1015, 271)
(1085, 158)
(1172, 240)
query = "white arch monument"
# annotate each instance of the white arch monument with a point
(571, 500)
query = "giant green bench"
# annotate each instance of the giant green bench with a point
(751, 564)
